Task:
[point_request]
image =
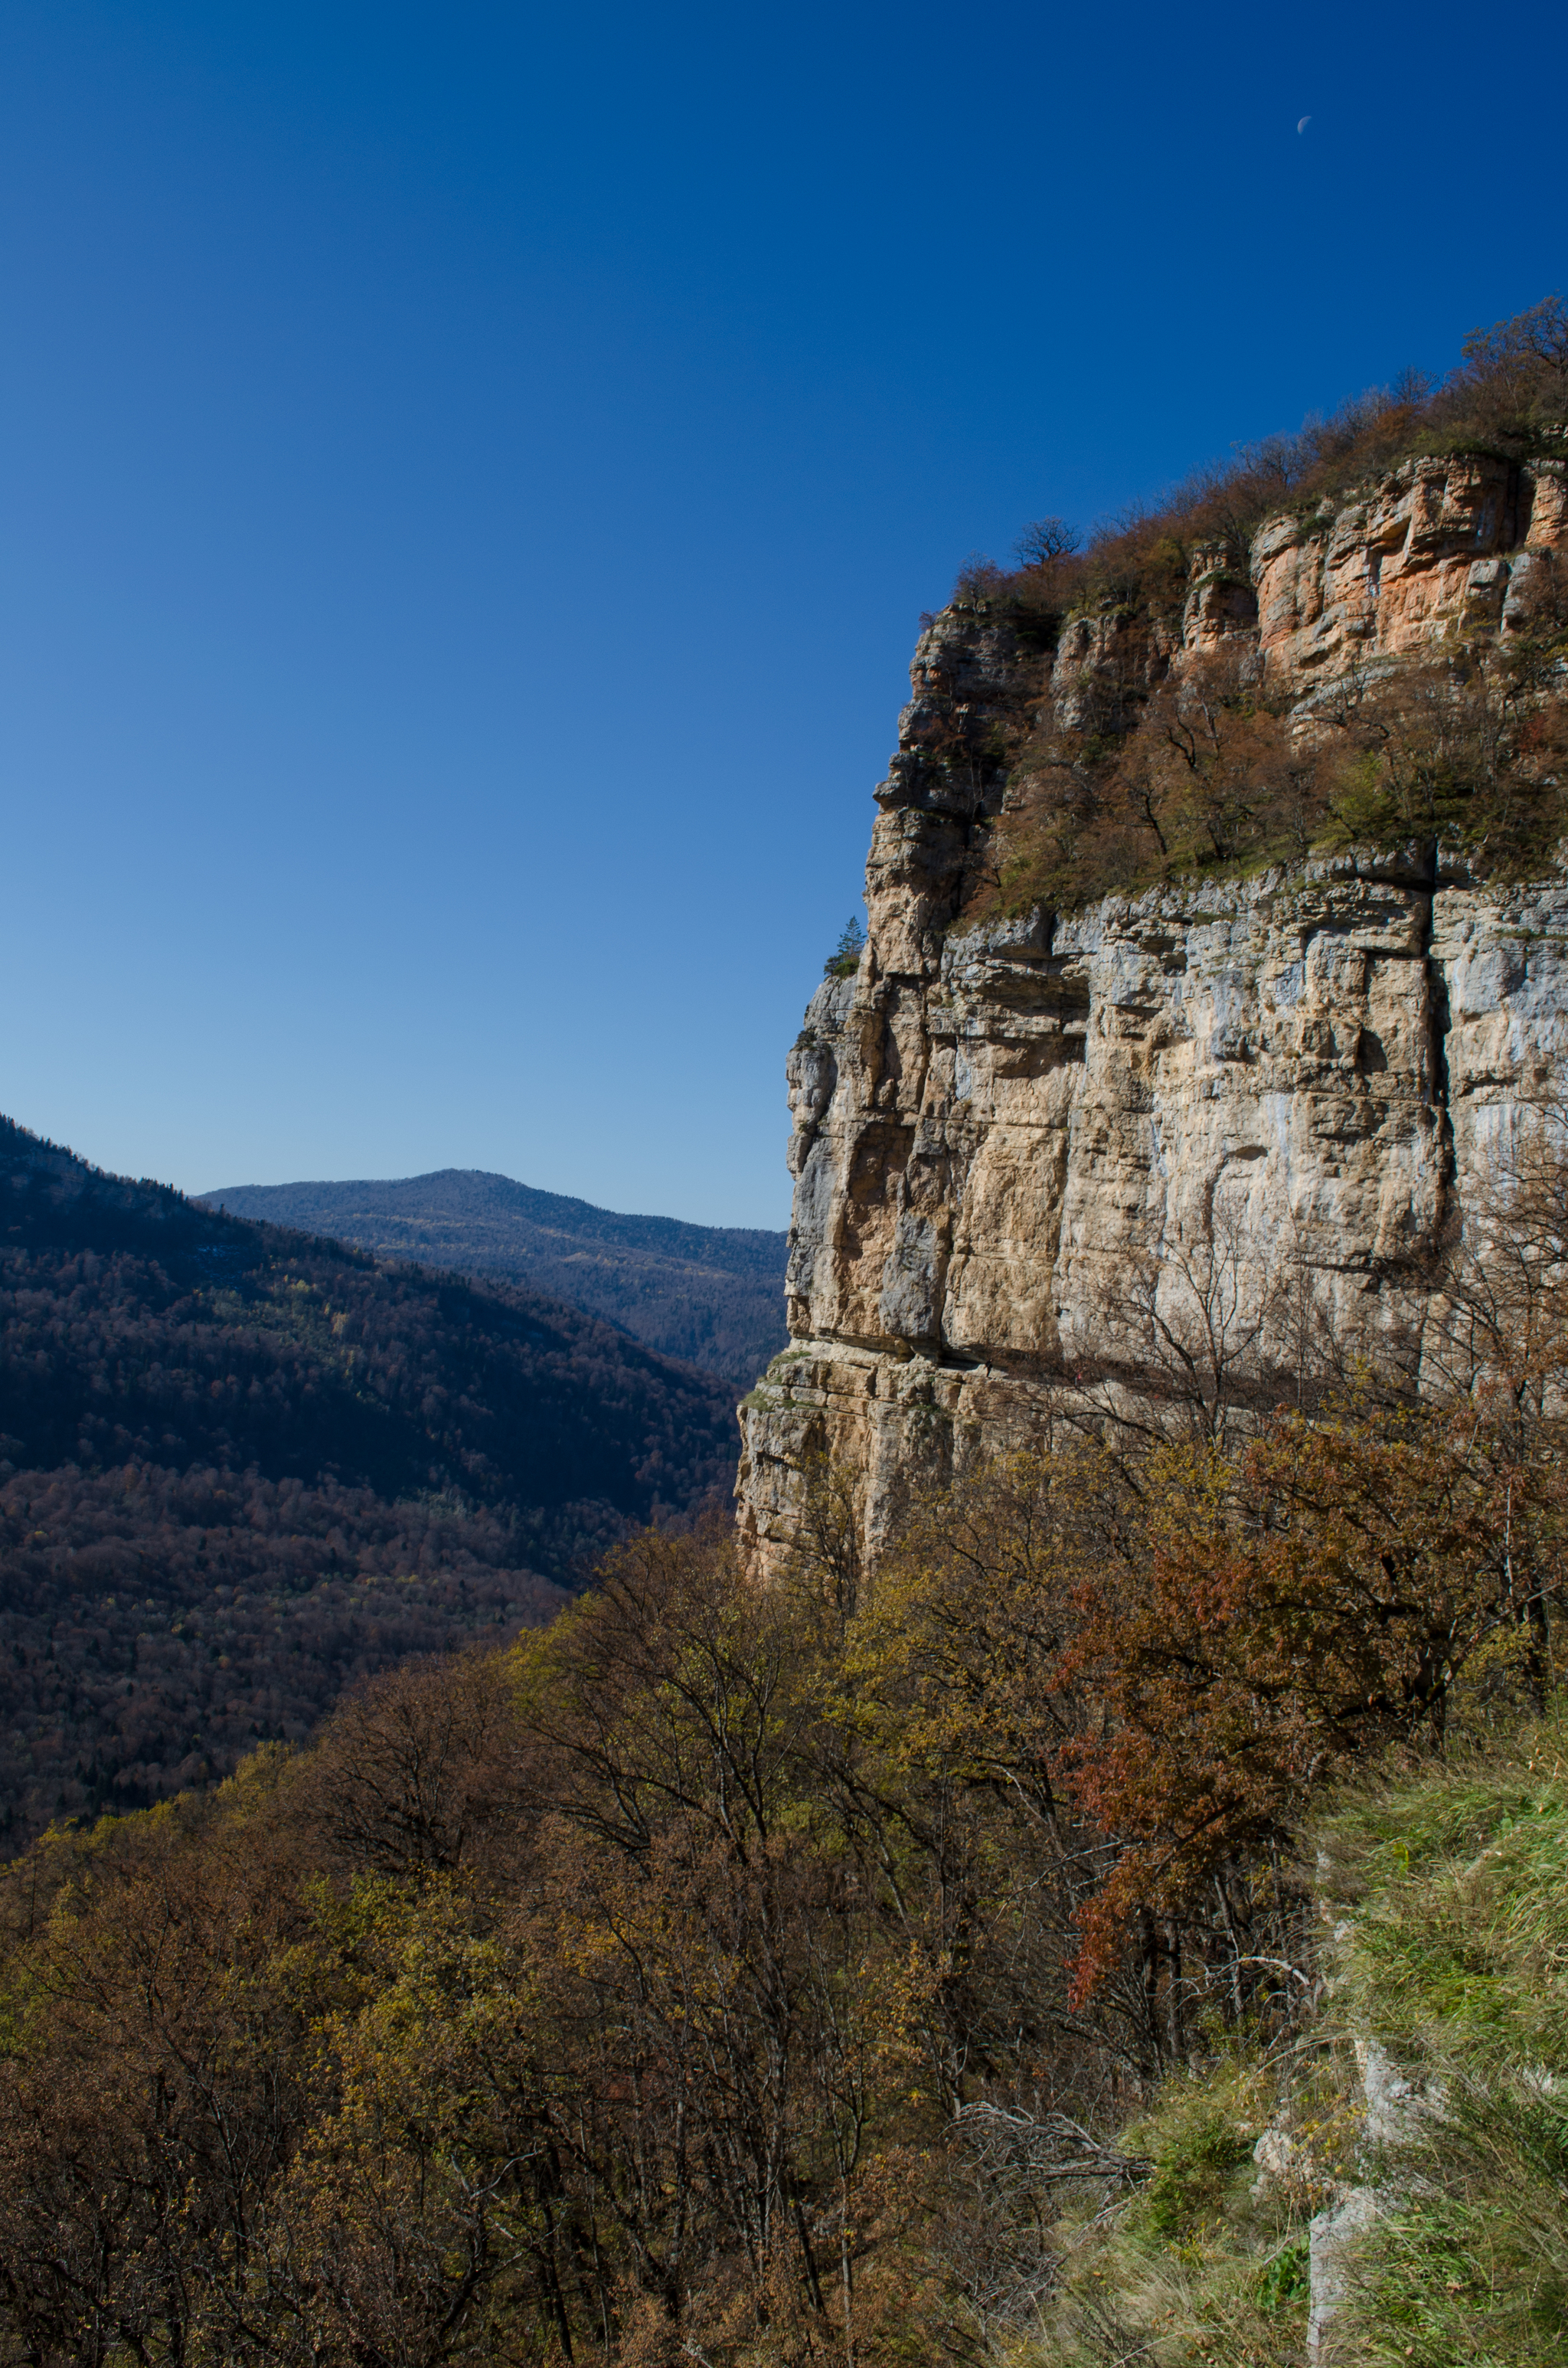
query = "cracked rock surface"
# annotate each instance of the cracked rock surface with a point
(989, 1121)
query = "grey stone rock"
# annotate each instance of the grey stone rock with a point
(991, 1122)
(1334, 2239)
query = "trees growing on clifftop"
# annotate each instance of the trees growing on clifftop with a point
(1507, 396)
(1462, 754)
(1123, 759)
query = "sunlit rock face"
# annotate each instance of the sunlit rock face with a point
(1437, 544)
(1316, 1065)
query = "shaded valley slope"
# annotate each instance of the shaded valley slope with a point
(241, 1466)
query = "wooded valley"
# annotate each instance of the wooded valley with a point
(243, 1466)
(711, 1294)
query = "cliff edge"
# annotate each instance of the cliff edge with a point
(1298, 1072)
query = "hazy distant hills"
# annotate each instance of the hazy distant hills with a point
(713, 1296)
(240, 1467)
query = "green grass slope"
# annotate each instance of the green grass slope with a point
(1423, 2073)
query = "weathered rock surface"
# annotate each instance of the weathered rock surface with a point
(1439, 543)
(988, 1120)
(1336, 2235)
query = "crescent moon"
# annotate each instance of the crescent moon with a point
(1302, 125)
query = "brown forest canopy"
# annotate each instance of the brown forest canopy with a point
(662, 1989)
(239, 1466)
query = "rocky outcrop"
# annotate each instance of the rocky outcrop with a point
(1439, 545)
(992, 1122)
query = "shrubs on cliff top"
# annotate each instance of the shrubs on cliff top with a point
(1466, 755)
(1159, 779)
(1508, 395)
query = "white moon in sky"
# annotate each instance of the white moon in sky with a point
(1303, 123)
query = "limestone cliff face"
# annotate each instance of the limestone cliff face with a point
(988, 1120)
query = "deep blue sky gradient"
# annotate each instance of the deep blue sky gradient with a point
(471, 474)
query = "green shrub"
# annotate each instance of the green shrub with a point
(1286, 2276)
(1193, 2171)
(844, 959)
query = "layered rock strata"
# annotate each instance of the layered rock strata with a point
(993, 1124)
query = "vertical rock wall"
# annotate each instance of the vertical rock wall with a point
(989, 1121)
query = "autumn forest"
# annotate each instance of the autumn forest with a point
(732, 1974)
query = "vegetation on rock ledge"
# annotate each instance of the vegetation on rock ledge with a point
(1462, 759)
(1175, 774)
(1508, 398)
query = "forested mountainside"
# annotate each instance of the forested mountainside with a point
(242, 1465)
(961, 1970)
(713, 1294)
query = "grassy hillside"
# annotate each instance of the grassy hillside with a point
(239, 1466)
(712, 1294)
(1409, 2099)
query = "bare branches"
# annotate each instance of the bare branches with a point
(1197, 1328)
(1502, 1329)
(1046, 539)
(1019, 2151)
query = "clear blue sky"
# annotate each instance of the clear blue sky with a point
(471, 474)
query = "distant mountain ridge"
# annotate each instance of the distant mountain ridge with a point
(711, 1294)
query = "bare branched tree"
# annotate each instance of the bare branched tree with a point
(1046, 539)
(829, 1545)
(1504, 1328)
(1191, 1324)
(1500, 1337)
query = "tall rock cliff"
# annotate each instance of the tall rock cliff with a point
(994, 1122)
